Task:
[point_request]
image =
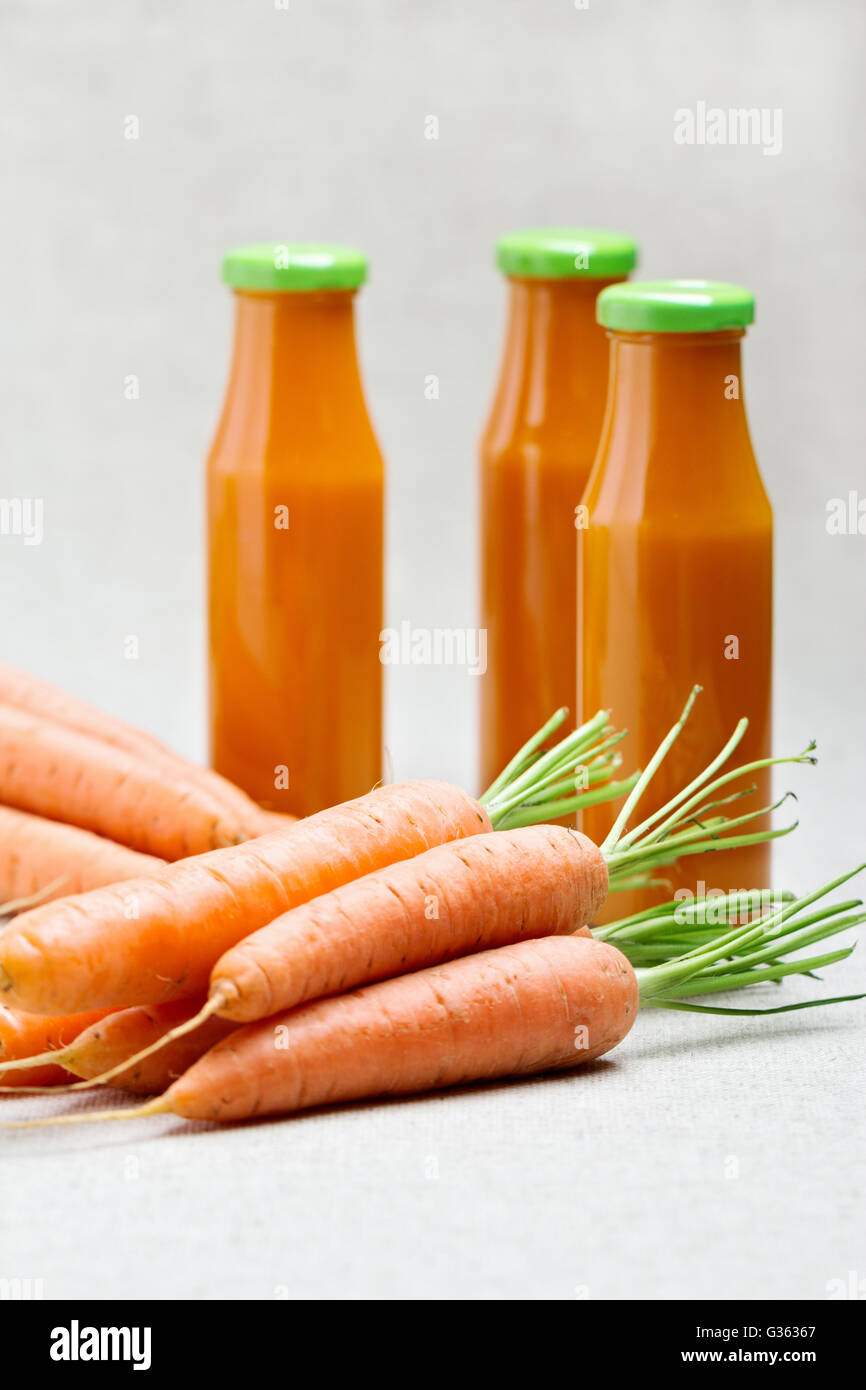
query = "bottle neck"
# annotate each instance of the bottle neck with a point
(681, 385)
(675, 436)
(294, 360)
(554, 367)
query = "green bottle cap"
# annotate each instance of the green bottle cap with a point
(558, 253)
(294, 265)
(675, 306)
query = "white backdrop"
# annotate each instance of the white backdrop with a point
(256, 122)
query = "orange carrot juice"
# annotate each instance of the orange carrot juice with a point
(675, 567)
(536, 455)
(295, 518)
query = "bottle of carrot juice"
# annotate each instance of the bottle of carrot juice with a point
(295, 527)
(536, 455)
(675, 566)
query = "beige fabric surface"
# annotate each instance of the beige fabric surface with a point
(707, 1157)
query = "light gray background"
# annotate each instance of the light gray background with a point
(259, 124)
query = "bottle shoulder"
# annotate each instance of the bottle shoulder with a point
(323, 461)
(637, 478)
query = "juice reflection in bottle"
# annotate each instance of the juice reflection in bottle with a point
(295, 528)
(536, 455)
(675, 566)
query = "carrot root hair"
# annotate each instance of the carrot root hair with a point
(53, 1058)
(59, 1090)
(60, 1056)
(210, 1007)
(157, 1106)
(33, 899)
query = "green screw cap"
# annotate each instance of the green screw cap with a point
(294, 265)
(559, 253)
(675, 306)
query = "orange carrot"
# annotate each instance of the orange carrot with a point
(51, 859)
(34, 696)
(153, 940)
(458, 898)
(488, 891)
(532, 1007)
(25, 1035)
(107, 1044)
(68, 776)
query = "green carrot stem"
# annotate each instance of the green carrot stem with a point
(692, 842)
(523, 754)
(659, 978)
(783, 914)
(756, 950)
(725, 908)
(694, 830)
(670, 928)
(750, 899)
(585, 754)
(744, 1013)
(556, 785)
(536, 813)
(553, 782)
(699, 781)
(649, 772)
(696, 803)
(580, 738)
(797, 942)
(738, 979)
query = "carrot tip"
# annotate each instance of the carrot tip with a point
(51, 1058)
(137, 1112)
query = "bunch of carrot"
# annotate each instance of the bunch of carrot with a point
(398, 942)
(68, 771)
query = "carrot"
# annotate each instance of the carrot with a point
(505, 1012)
(532, 1006)
(455, 899)
(153, 940)
(48, 858)
(33, 696)
(107, 1044)
(491, 890)
(535, 1006)
(108, 1048)
(24, 1036)
(68, 776)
